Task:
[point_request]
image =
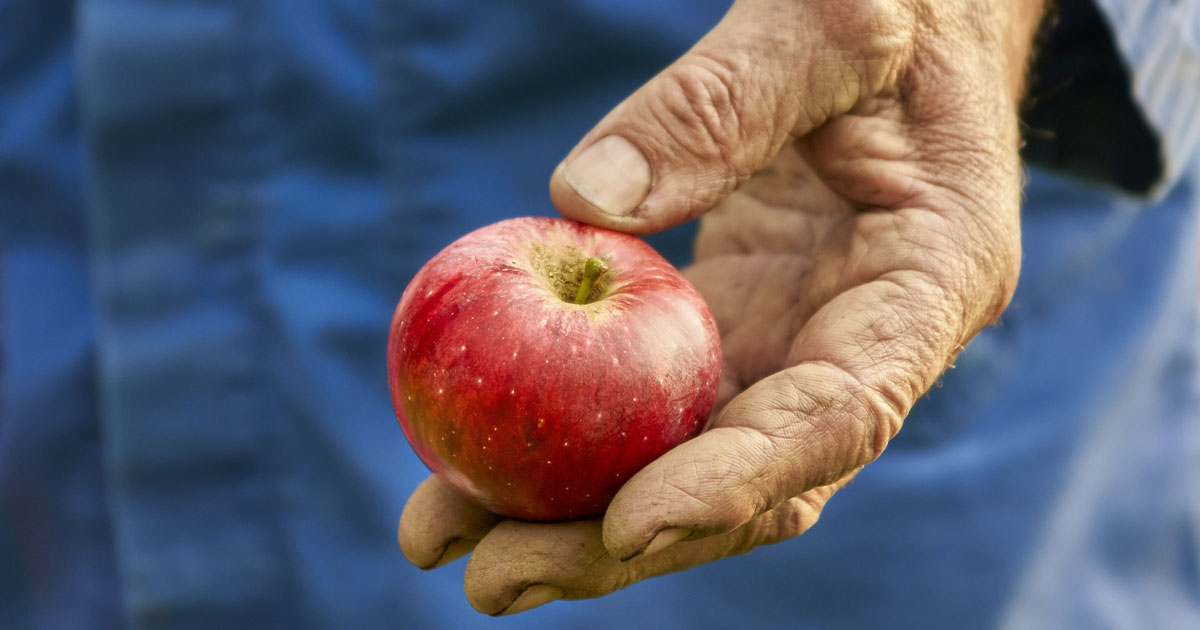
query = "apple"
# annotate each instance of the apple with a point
(536, 364)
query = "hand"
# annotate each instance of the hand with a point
(860, 163)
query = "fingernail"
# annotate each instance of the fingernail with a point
(532, 597)
(611, 175)
(662, 540)
(454, 551)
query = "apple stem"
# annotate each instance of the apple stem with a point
(592, 269)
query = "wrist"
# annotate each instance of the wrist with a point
(1025, 20)
(987, 43)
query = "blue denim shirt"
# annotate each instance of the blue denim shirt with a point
(209, 208)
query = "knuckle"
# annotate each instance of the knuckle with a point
(910, 330)
(880, 413)
(794, 517)
(705, 499)
(967, 265)
(699, 106)
(989, 265)
(1007, 270)
(859, 417)
(845, 414)
(875, 35)
(788, 520)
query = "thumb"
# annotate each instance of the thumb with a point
(769, 71)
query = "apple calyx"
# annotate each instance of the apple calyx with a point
(592, 269)
(571, 275)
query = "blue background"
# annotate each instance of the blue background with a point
(210, 208)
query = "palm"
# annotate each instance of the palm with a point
(785, 245)
(757, 255)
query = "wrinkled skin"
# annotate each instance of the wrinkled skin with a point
(856, 167)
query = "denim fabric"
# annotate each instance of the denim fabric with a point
(210, 207)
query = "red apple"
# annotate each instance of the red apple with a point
(536, 364)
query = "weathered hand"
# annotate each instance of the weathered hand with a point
(860, 160)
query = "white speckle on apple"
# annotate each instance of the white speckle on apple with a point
(549, 462)
(514, 355)
(479, 381)
(541, 421)
(429, 293)
(529, 445)
(440, 391)
(615, 361)
(462, 348)
(512, 392)
(495, 313)
(489, 439)
(566, 443)
(635, 399)
(645, 438)
(622, 434)
(495, 428)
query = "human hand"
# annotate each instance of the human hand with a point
(860, 160)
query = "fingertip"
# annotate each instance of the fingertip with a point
(610, 177)
(623, 197)
(438, 525)
(418, 554)
(517, 556)
(427, 559)
(453, 551)
(571, 205)
(661, 541)
(532, 597)
(700, 488)
(635, 527)
(629, 526)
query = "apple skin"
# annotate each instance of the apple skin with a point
(536, 407)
